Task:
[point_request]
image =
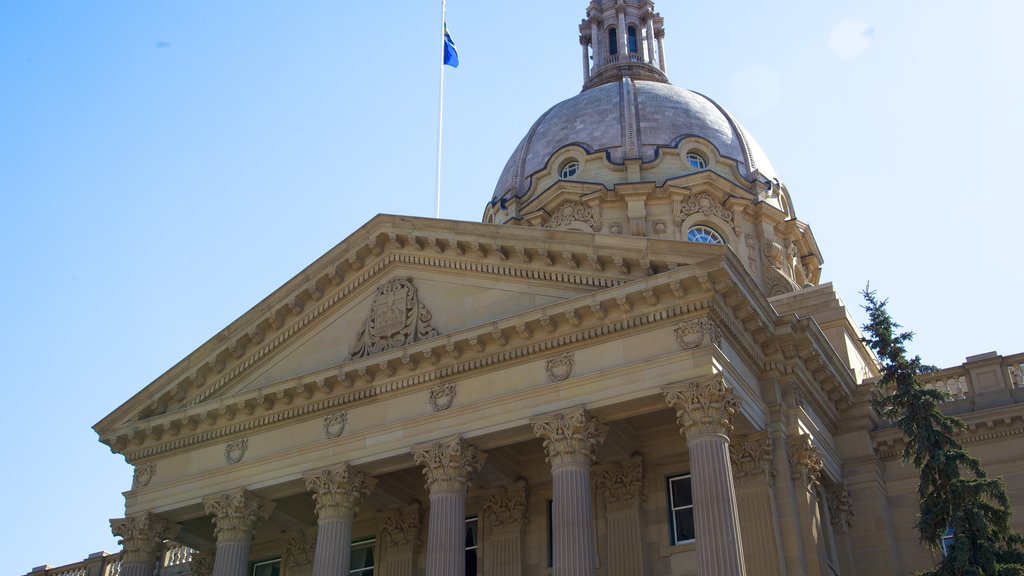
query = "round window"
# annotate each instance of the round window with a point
(696, 161)
(570, 170)
(704, 235)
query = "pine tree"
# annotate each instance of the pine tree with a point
(954, 491)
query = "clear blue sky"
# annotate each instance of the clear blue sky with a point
(165, 165)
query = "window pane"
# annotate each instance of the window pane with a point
(272, 568)
(684, 525)
(682, 495)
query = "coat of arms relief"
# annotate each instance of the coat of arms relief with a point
(397, 317)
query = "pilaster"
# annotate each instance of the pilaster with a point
(399, 531)
(754, 474)
(622, 485)
(805, 465)
(504, 522)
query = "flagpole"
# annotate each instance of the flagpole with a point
(440, 116)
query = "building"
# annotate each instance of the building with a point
(630, 364)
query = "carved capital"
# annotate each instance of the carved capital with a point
(401, 527)
(840, 507)
(622, 484)
(752, 458)
(448, 464)
(570, 437)
(703, 406)
(693, 333)
(805, 460)
(338, 492)
(506, 506)
(236, 514)
(299, 551)
(142, 536)
(202, 563)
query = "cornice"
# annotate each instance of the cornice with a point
(653, 301)
(980, 426)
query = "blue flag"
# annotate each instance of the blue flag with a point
(451, 55)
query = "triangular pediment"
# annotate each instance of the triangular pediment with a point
(321, 326)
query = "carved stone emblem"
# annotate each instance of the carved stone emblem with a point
(235, 450)
(144, 473)
(397, 317)
(560, 367)
(442, 397)
(773, 253)
(615, 228)
(334, 424)
(660, 227)
(570, 212)
(707, 206)
(692, 334)
(299, 551)
(840, 507)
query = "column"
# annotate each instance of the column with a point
(595, 42)
(235, 518)
(704, 409)
(622, 485)
(806, 464)
(660, 35)
(585, 43)
(623, 37)
(570, 439)
(754, 474)
(142, 541)
(504, 519)
(650, 39)
(399, 537)
(448, 466)
(337, 493)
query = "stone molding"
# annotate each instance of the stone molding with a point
(334, 424)
(449, 464)
(397, 318)
(401, 527)
(840, 508)
(752, 457)
(560, 367)
(202, 563)
(299, 551)
(236, 514)
(693, 333)
(442, 397)
(804, 460)
(505, 506)
(570, 437)
(622, 483)
(338, 492)
(142, 536)
(703, 406)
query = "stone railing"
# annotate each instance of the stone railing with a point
(97, 564)
(982, 381)
(177, 554)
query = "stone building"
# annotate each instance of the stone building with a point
(628, 368)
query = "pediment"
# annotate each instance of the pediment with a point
(465, 274)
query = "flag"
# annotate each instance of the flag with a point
(451, 56)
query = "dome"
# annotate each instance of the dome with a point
(601, 118)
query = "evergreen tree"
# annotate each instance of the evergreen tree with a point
(954, 491)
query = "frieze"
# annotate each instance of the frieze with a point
(397, 318)
(442, 397)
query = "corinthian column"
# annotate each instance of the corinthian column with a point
(338, 494)
(235, 518)
(142, 541)
(704, 409)
(448, 466)
(570, 438)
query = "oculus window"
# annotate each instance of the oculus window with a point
(680, 503)
(696, 161)
(704, 235)
(570, 169)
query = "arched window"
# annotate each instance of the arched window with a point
(570, 169)
(704, 235)
(631, 40)
(696, 161)
(613, 41)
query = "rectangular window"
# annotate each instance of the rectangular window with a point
(472, 542)
(551, 539)
(680, 504)
(362, 557)
(267, 568)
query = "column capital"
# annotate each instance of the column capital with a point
(202, 563)
(622, 483)
(752, 458)
(339, 491)
(401, 526)
(506, 506)
(703, 406)
(840, 507)
(570, 436)
(804, 460)
(142, 536)
(236, 514)
(449, 464)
